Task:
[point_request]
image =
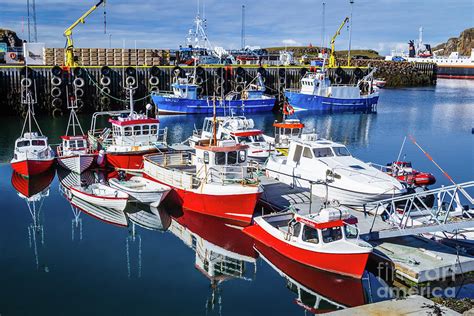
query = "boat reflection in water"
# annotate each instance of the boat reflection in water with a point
(321, 291)
(223, 252)
(34, 190)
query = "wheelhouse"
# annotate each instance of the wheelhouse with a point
(136, 132)
(74, 142)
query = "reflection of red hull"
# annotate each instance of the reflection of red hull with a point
(346, 264)
(218, 233)
(345, 291)
(238, 208)
(128, 160)
(33, 185)
(32, 167)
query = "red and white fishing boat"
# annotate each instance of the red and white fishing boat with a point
(74, 153)
(101, 195)
(130, 137)
(213, 181)
(326, 241)
(32, 153)
(238, 128)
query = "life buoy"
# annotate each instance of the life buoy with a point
(12, 55)
(288, 109)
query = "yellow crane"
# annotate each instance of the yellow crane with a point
(332, 57)
(69, 56)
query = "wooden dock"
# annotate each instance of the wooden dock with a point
(412, 258)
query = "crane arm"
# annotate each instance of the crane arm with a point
(332, 57)
(69, 56)
(68, 31)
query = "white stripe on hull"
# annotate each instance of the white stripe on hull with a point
(77, 164)
(117, 204)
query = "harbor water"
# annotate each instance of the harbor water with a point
(57, 260)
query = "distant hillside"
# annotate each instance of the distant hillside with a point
(462, 44)
(10, 37)
(299, 51)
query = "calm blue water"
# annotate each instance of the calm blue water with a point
(52, 263)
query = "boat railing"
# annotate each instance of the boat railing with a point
(231, 175)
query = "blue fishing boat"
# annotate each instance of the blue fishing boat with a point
(184, 99)
(318, 93)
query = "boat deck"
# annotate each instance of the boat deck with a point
(413, 258)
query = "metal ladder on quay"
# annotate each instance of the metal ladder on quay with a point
(415, 214)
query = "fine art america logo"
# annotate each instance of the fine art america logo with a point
(446, 276)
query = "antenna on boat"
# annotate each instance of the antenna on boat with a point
(214, 128)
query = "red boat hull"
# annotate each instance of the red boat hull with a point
(418, 178)
(128, 160)
(352, 265)
(238, 208)
(32, 167)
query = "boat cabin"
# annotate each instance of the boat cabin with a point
(31, 143)
(286, 130)
(328, 226)
(227, 160)
(183, 89)
(135, 130)
(309, 147)
(319, 84)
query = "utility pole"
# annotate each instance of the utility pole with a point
(34, 21)
(350, 36)
(243, 28)
(28, 19)
(323, 32)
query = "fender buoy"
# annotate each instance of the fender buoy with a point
(79, 104)
(239, 88)
(199, 80)
(130, 81)
(105, 81)
(56, 81)
(57, 103)
(26, 82)
(338, 79)
(105, 90)
(239, 79)
(153, 81)
(105, 101)
(154, 89)
(56, 92)
(130, 71)
(57, 112)
(56, 71)
(105, 71)
(78, 82)
(155, 71)
(219, 81)
(79, 93)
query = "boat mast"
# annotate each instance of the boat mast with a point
(214, 129)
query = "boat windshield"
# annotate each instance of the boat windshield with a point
(310, 235)
(37, 142)
(341, 151)
(331, 234)
(350, 231)
(23, 143)
(322, 152)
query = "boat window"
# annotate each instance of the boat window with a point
(232, 158)
(23, 143)
(307, 153)
(154, 129)
(80, 144)
(220, 158)
(341, 151)
(350, 231)
(127, 131)
(146, 129)
(242, 155)
(357, 167)
(206, 157)
(294, 228)
(244, 139)
(322, 152)
(137, 130)
(36, 142)
(331, 234)
(310, 234)
(259, 138)
(297, 155)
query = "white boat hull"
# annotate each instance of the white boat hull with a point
(144, 196)
(333, 191)
(76, 163)
(108, 202)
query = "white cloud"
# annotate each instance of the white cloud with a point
(291, 42)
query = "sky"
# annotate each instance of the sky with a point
(381, 25)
